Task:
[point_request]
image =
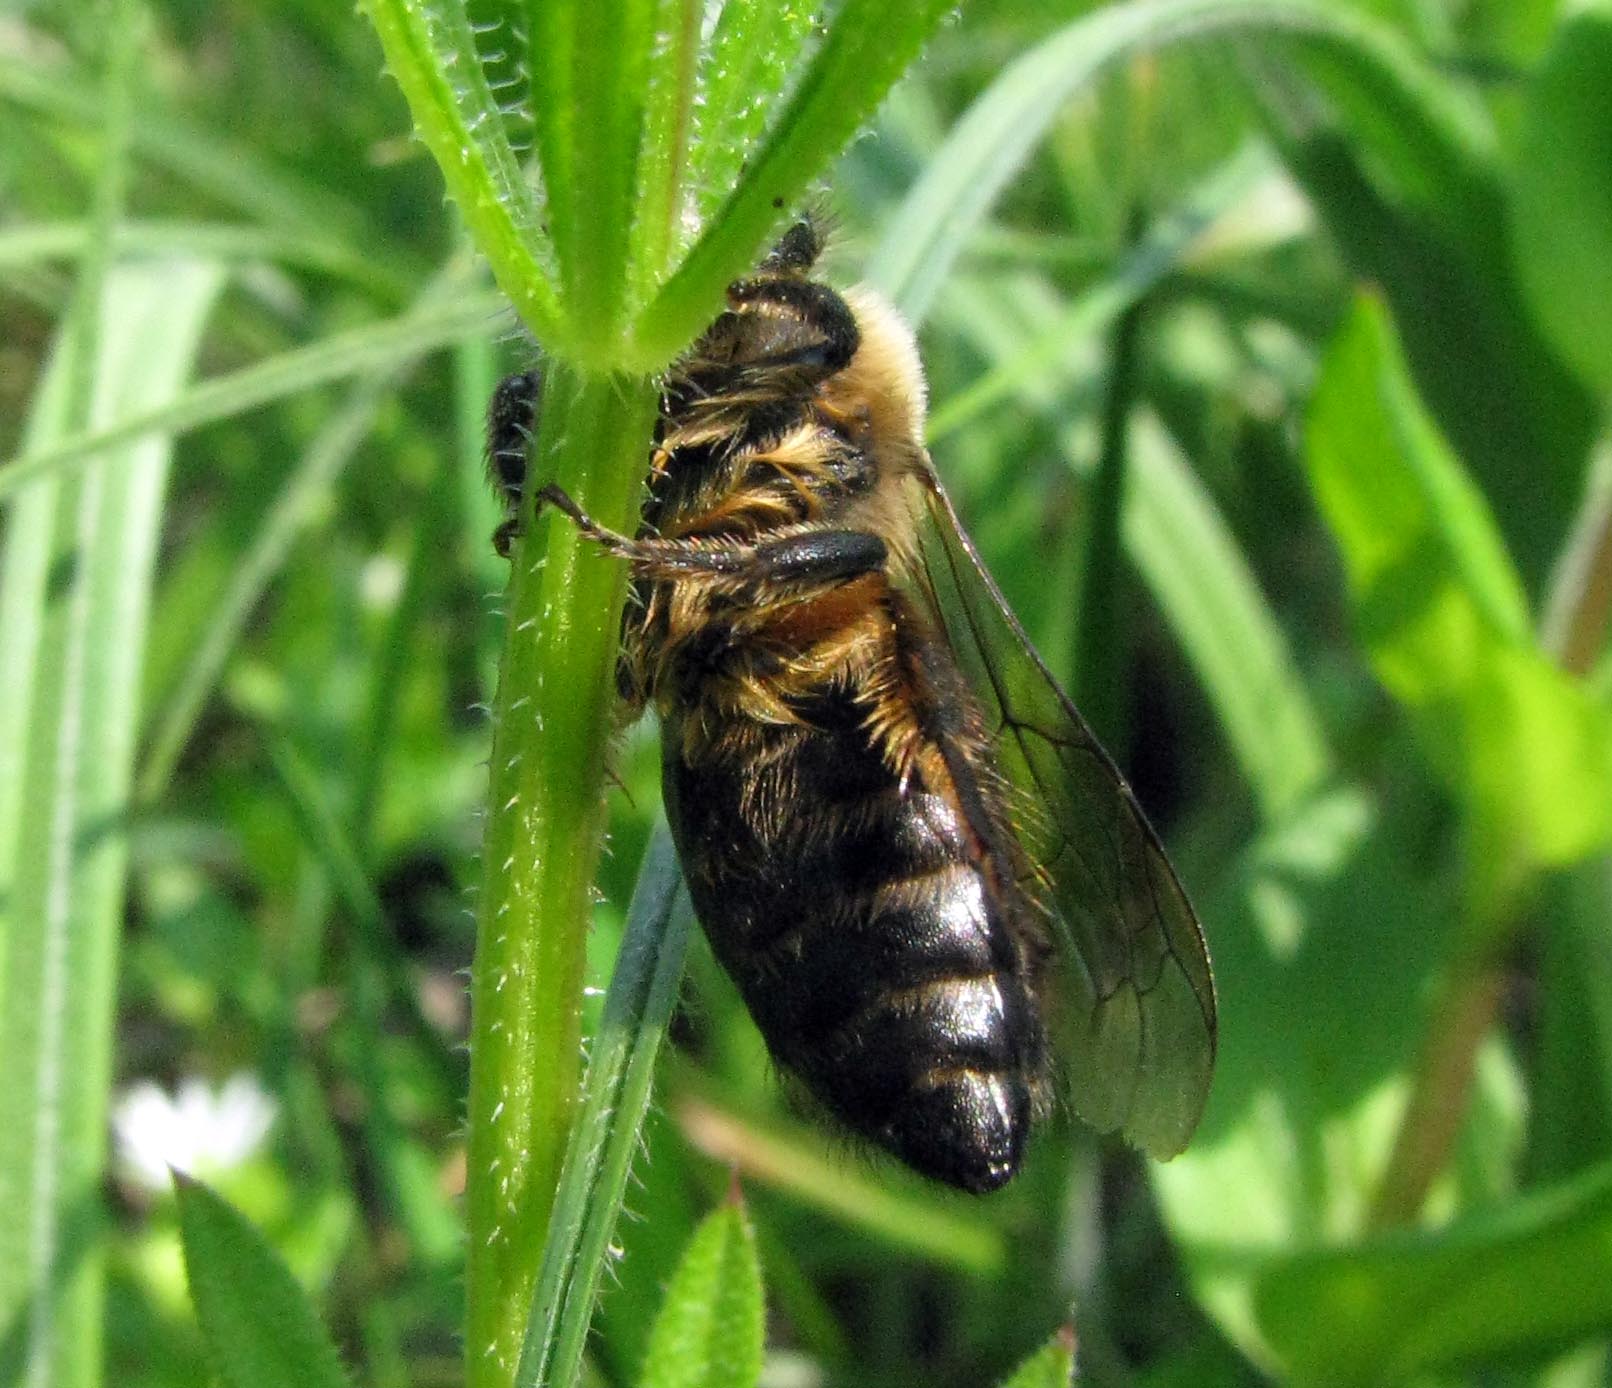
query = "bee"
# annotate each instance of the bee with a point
(935, 892)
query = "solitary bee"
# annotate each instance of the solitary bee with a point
(934, 890)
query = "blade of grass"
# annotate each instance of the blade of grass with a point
(374, 347)
(24, 247)
(1179, 542)
(288, 513)
(235, 173)
(76, 628)
(1168, 243)
(1187, 556)
(992, 141)
(890, 1204)
(65, 842)
(615, 1097)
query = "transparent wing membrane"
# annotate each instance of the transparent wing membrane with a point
(1132, 1005)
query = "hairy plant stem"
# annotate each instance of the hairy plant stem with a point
(551, 725)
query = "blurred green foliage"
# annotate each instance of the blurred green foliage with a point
(1268, 359)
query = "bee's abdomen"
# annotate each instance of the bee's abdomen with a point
(869, 945)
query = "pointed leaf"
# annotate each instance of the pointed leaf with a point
(1051, 1366)
(1440, 608)
(709, 1331)
(260, 1330)
(1529, 1277)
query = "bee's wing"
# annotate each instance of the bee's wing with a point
(1132, 1010)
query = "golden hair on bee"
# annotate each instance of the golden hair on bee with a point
(849, 716)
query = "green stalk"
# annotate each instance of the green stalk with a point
(551, 725)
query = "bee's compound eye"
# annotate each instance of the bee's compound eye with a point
(967, 1129)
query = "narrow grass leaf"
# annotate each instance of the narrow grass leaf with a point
(709, 1330)
(431, 51)
(260, 1330)
(23, 248)
(234, 172)
(1562, 194)
(1174, 534)
(615, 1097)
(1178, 540)
(1051, 1366)
(76, 580)
(374, 347)
(80, 552)
(1524, 1279)
(263, 556)
(990, 143)
(1160, 251)
(1527, 749)
(889, 1204)
(868, 45)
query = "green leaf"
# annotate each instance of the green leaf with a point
(375, 347)
(75, 583)
(1325, 935)
(589, 62)
(615, 1098)
(431, 51)
(1181, 544)
(867, 47)
(709, 1330)
(1416, 203)
(260, 1330)
(1051, 1366)
(1562, 194)
(1525, 748)
(1529, 1277)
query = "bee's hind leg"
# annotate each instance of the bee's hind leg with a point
(796, 563)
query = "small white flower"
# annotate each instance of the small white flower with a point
(198, 1131)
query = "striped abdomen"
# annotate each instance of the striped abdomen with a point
(861, 927)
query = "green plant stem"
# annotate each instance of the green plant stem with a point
(1464, 1007)
(551, 724)
(1463, 1012)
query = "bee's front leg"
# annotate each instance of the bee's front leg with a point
(511, 417)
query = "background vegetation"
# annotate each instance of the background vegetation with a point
(1269, 359)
